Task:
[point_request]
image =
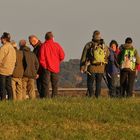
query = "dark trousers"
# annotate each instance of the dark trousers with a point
(48, 77)
(6, 87)
(127, 80)
(113, 84)
(97, 77)
(39, 86)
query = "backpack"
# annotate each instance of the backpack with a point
(98, 54)
(128, 59)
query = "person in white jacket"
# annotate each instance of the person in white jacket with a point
(7, 65)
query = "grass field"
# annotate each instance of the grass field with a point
(71, 119)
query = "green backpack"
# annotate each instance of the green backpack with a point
(128, 59)
(98, 54)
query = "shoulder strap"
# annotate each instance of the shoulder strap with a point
(92, 44)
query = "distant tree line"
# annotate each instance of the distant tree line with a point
(71, 77)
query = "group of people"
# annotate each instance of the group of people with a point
(21, 69)
(117, 65)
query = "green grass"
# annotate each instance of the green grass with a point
(71, 119)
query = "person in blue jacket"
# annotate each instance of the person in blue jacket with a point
(113, 70)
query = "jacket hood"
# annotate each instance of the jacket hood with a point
(50, 40)
(25, 48)
(128, 46)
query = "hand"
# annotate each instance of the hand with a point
(37, 76)
(82, 71)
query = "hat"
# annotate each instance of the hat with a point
(128, 40)
(96, 35)
(96, 32)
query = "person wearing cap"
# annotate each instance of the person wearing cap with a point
(17, 74)
(88, 64)
(31, 65)
(7, 65)
(51, 55)
(36, 44)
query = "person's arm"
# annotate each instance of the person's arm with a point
(2, 54)
(83, 59)
(137, 62)
(61, 53)
(111, 57)
(36, 63)
(84, 56)
(137, 58)
(36, 66)
(119, 57)
(42, 57)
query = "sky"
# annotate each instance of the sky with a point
(71, 21)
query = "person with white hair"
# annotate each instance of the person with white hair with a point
(31, 65)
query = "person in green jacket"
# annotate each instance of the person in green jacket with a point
(128, 59)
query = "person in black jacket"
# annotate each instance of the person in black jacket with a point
(36, 44)
(31, 66)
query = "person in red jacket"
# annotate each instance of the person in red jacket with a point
(51, 55)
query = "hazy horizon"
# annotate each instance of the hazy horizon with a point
(72, 22)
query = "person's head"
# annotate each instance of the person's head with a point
(96, 35)
(113, 45)
(128, 40)
(33, 40)
(22, 43)
(14, 44)
(5, 38)
(49, 35)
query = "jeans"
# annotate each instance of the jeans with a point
(48, 76)
(127, 80)
(97, 77)
(113, 84)
(6, 87)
